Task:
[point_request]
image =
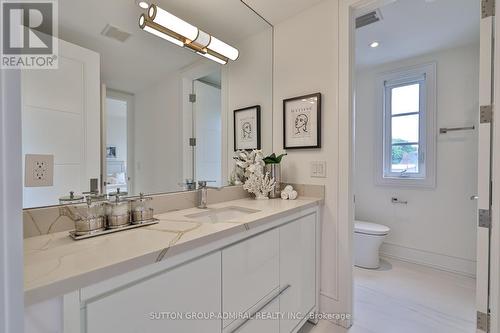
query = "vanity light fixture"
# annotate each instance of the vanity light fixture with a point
(143, 4)
(374, 44)
(161, 23)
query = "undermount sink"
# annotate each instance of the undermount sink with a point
(221, 214)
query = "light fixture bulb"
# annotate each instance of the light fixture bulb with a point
(374, 44)
(211, 57)
(172, 22)
(143, 4)
(144, 24)
(163, 24)
(223, 49)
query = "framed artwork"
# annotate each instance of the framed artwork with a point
(302, 122)
(247, 128)
(110, 152)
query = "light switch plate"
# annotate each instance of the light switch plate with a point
(39, 170)
(318, 169)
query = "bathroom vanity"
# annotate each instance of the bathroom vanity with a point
(240, 266)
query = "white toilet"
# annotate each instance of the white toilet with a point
(367, 240)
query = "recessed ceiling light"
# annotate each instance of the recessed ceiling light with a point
(374, 44)
(142, 4)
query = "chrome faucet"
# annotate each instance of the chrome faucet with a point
(203, 188)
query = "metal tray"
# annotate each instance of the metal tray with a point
(110, 231)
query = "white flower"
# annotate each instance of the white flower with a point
(252, 168)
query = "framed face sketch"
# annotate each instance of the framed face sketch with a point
(110, 152)
(302, 122)
(247, 128)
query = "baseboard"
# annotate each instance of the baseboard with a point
(434, 260)
(329, 305)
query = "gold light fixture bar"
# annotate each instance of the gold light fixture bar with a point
(161, 23)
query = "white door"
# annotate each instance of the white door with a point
(208, 127)
(118, 147)
(484, 173)
(61, 117)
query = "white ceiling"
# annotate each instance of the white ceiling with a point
(145, 59)
(276, 11)
(415, 27)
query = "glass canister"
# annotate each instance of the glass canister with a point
(89, 218)
(117, 212)
(274, 170)
(72, 198)
(141, 209)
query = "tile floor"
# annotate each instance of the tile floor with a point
(402, 297)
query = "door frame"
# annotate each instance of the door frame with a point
(495, 220)
(130, 99)
(11, 200)
(347, 8)
(189, 74)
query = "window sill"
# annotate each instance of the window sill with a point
(428, 183)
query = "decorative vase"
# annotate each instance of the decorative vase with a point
(275, 172)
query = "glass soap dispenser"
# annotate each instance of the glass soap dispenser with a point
(117, 212)
(142, 210)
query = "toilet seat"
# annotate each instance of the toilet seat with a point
(369, 228)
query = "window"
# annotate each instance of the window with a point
(408, 134)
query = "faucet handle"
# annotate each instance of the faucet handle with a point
(203, 183)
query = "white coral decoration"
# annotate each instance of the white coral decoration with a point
(260, 185)
(249, 170)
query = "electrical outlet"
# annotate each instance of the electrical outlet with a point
(39, 170)
(318, 169)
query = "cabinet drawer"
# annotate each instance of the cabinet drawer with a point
(191, 288)
(297, 269)
(250, 271)
(262, 323)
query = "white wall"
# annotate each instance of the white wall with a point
(116, 127)
(249, 82)
(61, 117)
(306, 61)
(157, 133)
(437, 227)
(11, 198)
(208, 135)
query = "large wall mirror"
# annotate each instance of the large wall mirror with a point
(129, 111)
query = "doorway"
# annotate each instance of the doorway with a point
(118, 150)
(207, 129)
(416, 79)
(203, 122)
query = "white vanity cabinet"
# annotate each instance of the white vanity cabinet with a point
(269, 274)
(162, 303)
(250, 272)
(297, 270)
(262, 323)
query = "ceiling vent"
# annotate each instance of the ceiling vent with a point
(368, 18)
(115, 33)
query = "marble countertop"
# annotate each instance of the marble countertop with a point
(55, 264)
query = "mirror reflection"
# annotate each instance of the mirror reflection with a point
(131, 111)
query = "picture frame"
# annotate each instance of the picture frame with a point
(246, 132)
(302, 122)
(111, 152)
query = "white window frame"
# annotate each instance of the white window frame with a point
(426, 177)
